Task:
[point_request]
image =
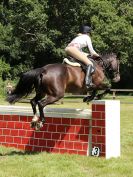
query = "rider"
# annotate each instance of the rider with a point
(74, 49)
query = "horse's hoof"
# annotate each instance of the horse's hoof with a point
(38, 126)
(33, 124)
(87, 99)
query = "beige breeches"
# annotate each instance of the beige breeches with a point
(75, 53)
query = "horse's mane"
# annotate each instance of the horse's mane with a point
(106, 56)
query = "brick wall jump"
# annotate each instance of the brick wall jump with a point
(72, 131)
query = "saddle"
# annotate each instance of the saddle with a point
(76, 63)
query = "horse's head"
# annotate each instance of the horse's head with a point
(112, 65)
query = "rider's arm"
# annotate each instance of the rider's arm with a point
(90, 47)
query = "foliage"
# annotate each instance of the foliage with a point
(35, 32)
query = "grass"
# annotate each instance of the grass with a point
(15, 163)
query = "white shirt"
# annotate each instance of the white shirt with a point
(83, 41)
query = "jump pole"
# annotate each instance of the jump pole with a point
(75, 131)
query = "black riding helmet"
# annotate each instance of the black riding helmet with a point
(85, 29)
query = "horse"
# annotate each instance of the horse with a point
(51, 81)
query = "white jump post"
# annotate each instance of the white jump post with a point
(106, 127)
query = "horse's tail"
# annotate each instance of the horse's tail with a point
(25, 85)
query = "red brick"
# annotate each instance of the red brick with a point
(44, 128)
(29, 118)
(9, 139)
(47, 135)
(7, 117)
(72, 151)
(1, 131)
(59, 144)
(37, 148)
(63, 151)
(25, 140)
(22, 132)
(93, 122)
(18, 125)
(23, 118)
(6, 131)
(55, 136)
(79, 129)
(12, 145)
(57, 121)
(35, 141)
(55, 150)
(100, 108)
(103, 115)
(74, 137)
(1, 117)
(85, 122)
(78, 145)
(66, 121)
(96, 131)
(22, 147)
(61, 128)
(31, 141)
(82, 152)
(3, 124)
(69, 145)
(102, 154)
(103, 149)
(2, 139)
(15, 118)
(38, 134)
(65, 136)
(49, 120)
(93, 107)
(26, 126)
(50, 143)
(71, 129)
(100, 123)
(103, 131)
(96, 115)
(85, 146)
(28, 148)
(94, 138)
(75, 121)
(42, 142)
(17, 140)
(84, 138)
(47, 149)
(52, 128)
(86, 130)
(10, 125)
(100, 139)
(29, 133)
(14, 133)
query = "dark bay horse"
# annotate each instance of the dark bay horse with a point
(53, 80)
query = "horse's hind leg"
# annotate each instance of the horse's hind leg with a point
(42, 103)
(34, 102)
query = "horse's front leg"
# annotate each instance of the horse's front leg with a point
(101, 95)
(90, 97)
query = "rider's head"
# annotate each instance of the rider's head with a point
(85, 29)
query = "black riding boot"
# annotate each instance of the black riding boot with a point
(88, 78)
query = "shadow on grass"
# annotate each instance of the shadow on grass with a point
(19, 153)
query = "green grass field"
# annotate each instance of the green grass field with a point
(15, 163)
